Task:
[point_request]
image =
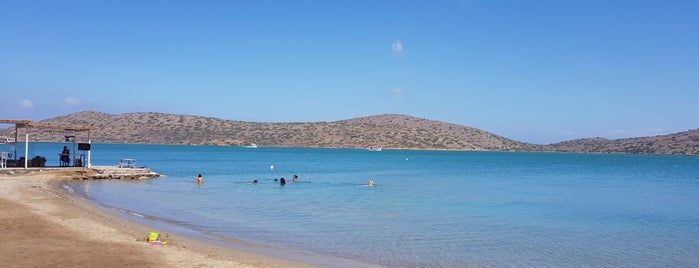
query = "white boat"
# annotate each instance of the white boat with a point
(4, 139)
(126, 163)
(251, 145)
(374, 149)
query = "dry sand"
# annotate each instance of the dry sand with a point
(44, 226)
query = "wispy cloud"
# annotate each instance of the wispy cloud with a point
(26, 103)
(398, 94)
(397, 47)
(70, 101)
(656, 131)
(619, 132)
(633, 133)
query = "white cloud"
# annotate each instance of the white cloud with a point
(619, 132)
(655, 131)
(26, 103)
(397, 47)
(70, 101)
(399, 94)
(633, 133)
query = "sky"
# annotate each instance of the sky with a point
(538, 71)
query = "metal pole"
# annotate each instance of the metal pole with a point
(26, 149)
(89, 164)
(15, 156)
(74, 137)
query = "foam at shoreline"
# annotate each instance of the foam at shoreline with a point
(45, 194)
(190, 232)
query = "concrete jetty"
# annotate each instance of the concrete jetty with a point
(83, 173)
(113, 172)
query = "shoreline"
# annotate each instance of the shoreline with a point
(45, 225)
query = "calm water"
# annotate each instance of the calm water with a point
(427, 208)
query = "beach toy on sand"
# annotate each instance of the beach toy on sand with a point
(153, 236)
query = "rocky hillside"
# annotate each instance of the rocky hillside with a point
(386, 131)
(686, 143)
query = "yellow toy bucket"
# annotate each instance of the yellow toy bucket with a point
(153, 236)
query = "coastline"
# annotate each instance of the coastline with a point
(45, 225)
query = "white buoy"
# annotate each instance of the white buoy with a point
(271, 167)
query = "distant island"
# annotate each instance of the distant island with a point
(387, 131)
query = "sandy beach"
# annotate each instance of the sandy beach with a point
(45, 226)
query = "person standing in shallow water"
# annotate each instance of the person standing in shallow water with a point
(200, 180)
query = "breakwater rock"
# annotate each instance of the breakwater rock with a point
(111, 172)
(83, 173)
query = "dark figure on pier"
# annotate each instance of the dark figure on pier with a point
(65, 157)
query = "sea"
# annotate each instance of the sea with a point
(425, 209)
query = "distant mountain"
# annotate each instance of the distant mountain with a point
(686, 143)
(387, 131)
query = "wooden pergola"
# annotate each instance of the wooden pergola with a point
(29, 124)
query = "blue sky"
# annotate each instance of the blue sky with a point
(533, 71)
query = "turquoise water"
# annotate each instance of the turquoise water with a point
(427, 208)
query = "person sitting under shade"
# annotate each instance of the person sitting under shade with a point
(65, 157)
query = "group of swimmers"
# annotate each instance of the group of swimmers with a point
(281, 181)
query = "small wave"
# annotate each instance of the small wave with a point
(136, 214)
(128, 212)
(70, 190)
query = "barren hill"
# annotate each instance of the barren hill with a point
(387, 131)
(686, 143)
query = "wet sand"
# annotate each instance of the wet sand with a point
(45, 226)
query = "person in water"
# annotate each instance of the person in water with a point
(371, 183)
(295, 178)
(200, 180)
(282, 181)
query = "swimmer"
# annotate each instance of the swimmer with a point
(282, 181)
(371, 183)
(254, 181)
(295, 178)
(200, 180)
